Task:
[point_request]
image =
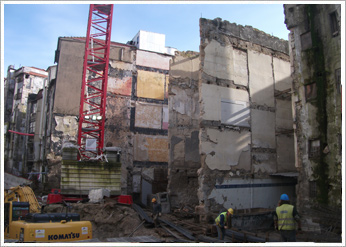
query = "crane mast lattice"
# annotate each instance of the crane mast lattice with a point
(94, 82)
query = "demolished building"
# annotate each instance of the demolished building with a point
(207, 127)
(246, 133)
(137, 112)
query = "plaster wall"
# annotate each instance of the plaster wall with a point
(121, 53)
(261, 78)
(211, 108)
(120, 78)
(225, 62)
(148, 115)
(151, 85)
(150, 148)
(282, 74)
(263, 129)
(185, 66)
(285, 153)
(222, 154)
(283, 114)
(152, 60)
(260, 193)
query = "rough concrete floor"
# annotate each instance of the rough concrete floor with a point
(112, 220)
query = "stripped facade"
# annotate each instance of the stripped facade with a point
(246, 142)
(136, 115)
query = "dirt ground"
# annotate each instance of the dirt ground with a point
(109, 220)
(113, 220)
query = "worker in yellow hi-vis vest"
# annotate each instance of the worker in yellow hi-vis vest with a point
(285, 218)
(222, 222)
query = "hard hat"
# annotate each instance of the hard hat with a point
(284, 197)
(230, 210)
(153, 200)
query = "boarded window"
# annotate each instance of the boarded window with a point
(310, 91)
(235, 113)
(334, 25)
(314, 148)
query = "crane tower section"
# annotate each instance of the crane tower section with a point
(94, 82)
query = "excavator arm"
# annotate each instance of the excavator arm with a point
(23, 193)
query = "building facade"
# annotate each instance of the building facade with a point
(315, 50)
(136, 115)
(21, 83)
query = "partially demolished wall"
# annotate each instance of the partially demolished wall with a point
(183, 132)
(246, 127)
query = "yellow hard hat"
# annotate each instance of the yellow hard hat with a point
(153, 200)
(230, 210)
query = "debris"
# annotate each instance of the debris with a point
(137, 228)
(97, 195)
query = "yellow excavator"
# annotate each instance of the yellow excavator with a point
(24, 221)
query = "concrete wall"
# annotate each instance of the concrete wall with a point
(246, 122)
(183, 131)
(69, 76)
(315, 49)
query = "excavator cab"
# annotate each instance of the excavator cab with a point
(14, 211)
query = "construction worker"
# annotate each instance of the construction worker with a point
(223, 221)
(156, 211)
(285, 217)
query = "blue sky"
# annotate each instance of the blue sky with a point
(31, 31)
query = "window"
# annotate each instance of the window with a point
(314, 148)
(310, 91)
(32, 127)
(334, 24)
(34, 108)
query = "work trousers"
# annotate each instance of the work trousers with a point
(156, 219)
(288, 235)
(220, 232)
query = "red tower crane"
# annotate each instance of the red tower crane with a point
(94, 82)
